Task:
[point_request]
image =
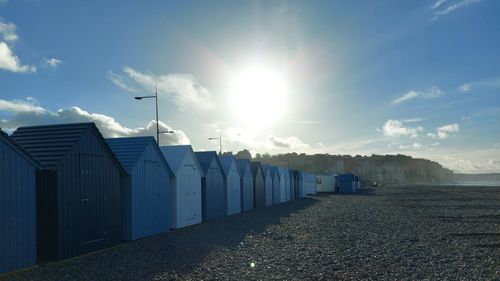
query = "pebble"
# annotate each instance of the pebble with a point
(419, 232)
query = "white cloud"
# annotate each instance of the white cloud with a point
(118, 81)
(431, 93)
(408, 96)
(465, 88)
(7, 31)
(488, 83)
(453, 6)
(413, 120)
(396, 128)
(15, 106)
(8, 59)
(293, 143)
(51, 63)
(182, 89)
(25, 113)
(438, 3)
(253, 141)
(415, 146)
(445, 131)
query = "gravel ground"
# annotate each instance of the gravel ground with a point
(432, 233)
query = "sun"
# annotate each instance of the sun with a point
(258, 95)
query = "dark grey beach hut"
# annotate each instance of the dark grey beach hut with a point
(246, 178)
(258, 185)
(17, 206)
(268, 184)
(213, 198)
(78, 189)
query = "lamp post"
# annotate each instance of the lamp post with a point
(158, 132)
(220, 142)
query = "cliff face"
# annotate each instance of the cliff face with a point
(388, 169)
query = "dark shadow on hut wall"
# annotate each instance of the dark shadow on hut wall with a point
(46, 200)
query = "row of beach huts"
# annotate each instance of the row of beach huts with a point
(66, 191)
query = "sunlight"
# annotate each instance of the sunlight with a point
(258, 95)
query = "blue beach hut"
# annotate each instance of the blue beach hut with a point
(232, 185)
(185, 186)
(145, 192)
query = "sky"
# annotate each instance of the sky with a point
(420, 78)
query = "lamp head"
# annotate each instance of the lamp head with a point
(138, 98)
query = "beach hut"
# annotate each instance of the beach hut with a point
(185, 186)
(310, 183)
(145, 192)
(275, 174)
(17, 206)
(294, 184)
(258, 184)
(268, 184)
(246, 179)
(284, 184)
(346, 183)
(78, 189)
(232, 185)
(325, 183)
(358, 183)
(213, 198)
(302, 185)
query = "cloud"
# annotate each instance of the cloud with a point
(453, 6)
(250, 139)
(118, 81)
(438, 3)
(415, 146)
(182, 89)
(445, 131)
(465, 88)
(488, 84)
(7, 31)
(8, 59)
(431, 93)
(413, 120)
(396, 128)
(293, 143)
(24, 113)
(21, 106)
(51, 63)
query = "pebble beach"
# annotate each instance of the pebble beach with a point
(396, 233)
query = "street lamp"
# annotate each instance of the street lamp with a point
(158, 132)
(220, 142)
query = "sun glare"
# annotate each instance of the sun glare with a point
(258, 96)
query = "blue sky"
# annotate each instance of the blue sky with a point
(420, 78)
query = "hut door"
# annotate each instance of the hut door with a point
(216, 191)
(91, 199)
